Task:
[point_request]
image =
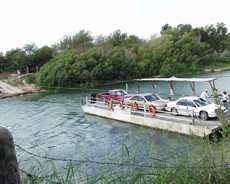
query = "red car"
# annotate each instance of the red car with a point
(116, 95)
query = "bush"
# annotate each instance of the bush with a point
(30, 79)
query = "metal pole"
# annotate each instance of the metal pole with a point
(171, 91)
(86, 100)
(126, 87)
(138, 87)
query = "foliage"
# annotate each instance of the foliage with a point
(30, 79)
(59, 70)
(27, 59)
(208, 165)
(80, 58)
(3, 63)
(80, 41)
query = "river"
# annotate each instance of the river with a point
(52, 124)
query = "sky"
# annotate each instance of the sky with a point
(45, 22)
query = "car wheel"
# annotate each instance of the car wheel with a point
(174, 111)
(203, 115)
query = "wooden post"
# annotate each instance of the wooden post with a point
(9, 172)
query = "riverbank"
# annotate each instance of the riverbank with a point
(12, 85)
(20, 82)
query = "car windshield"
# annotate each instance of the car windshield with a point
(200, 102)
(151, 98)
(123, 92)
(119, 93)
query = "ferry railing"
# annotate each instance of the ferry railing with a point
(115, 105)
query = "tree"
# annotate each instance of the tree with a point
(3, 63)
(59, 71)
(217, 36)
(184, 28)
(17, 58)
(80, 41)
(42, 56)
(30, 48)
(117, 38)
(165, 28)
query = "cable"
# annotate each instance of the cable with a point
(80, 161)
(227, 165)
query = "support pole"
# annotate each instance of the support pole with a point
(138, 87)
(193, 88)
(154, 86)
(9, 172)
(171, 90)
(126, 87)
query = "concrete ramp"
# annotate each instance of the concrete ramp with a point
(9, 89)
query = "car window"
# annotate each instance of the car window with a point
(123, 92)
(119, 93)
(151, 98)
(182, 102)
(134, 98)
(190, 103)
(138, 98)
(200, 102)
(113, 93)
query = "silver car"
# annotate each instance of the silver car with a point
(146, 100)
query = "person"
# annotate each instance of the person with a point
(205, 95)
(225, 99)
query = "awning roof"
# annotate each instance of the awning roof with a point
(177, 79)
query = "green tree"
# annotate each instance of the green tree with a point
(117, 38)
(3, 63)
(17, 59)
(80, 41)
(59, 71)
(217, 36)
(42, 56)
(30, 48)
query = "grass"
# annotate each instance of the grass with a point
(205, 166)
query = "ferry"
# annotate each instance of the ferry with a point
(191, 125)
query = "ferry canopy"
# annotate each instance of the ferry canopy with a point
(172, 79)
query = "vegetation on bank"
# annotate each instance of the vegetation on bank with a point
(209, 165)
(81, 58)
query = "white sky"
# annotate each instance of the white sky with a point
(44, 22)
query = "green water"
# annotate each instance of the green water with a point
(53, 124)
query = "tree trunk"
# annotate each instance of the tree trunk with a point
(27, 70)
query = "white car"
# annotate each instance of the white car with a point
(193, 105)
